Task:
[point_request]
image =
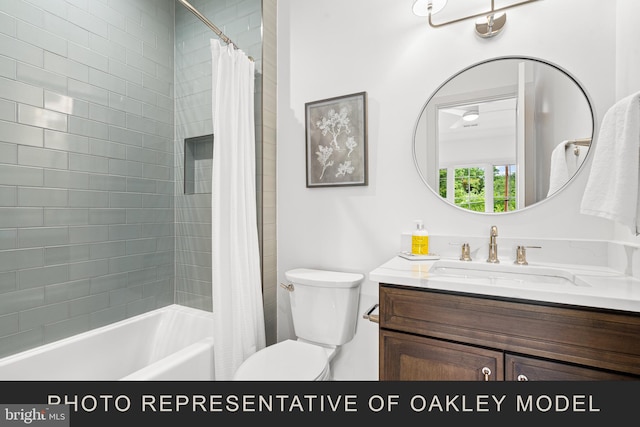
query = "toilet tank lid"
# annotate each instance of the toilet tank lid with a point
(314, 277)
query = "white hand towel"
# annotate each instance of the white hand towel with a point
(612, 187)
(559, 173)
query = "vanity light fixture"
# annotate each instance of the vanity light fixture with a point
(428, 7)
(488, 24)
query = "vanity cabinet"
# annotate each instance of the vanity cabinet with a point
(436, 335)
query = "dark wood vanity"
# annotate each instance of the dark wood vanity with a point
(437, 335)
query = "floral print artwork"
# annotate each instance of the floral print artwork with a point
(336, 141)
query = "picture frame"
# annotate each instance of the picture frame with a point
(336, 141)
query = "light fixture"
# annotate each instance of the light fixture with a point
(471, 115)
(489, 25)
(421, 7)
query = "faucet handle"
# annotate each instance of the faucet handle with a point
(466, 253)
(521, 254)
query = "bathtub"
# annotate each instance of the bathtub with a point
(170, 343)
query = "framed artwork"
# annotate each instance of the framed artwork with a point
(336, 141)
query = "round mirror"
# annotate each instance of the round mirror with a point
(503, 134)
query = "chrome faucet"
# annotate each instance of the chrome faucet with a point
(493, 246)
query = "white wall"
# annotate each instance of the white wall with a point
(337, 47)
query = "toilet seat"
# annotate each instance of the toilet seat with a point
(287, 360)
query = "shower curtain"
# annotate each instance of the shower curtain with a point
(236, 280)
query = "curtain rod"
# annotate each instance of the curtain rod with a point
(208, 23)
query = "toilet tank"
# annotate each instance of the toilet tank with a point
(324, 305)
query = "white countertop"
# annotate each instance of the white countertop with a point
(590, 286)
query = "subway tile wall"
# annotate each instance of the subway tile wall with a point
(241, 21)
(87, 176)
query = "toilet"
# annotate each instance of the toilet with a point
(324, 307)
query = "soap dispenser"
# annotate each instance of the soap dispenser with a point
(420, 239)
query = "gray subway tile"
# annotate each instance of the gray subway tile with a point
(66, 141)
(89, 304)
(66, 216)
(125, 264)
(21, 175)
(66, 291)
(20, 92)
(7, 65)
(157, 200)
(7, 282)
(143, 155)
(65, 104)
(125, 296)
(66, 179)
(65, 254)
(41, 157)
(21, 134)
(36, 277)
(39, 77)
(107, 316)
(88, 269)
(135, 216)
(8, 324)
(42, 236)
(157, 172)
(107, 183)
(157, 259)
(48, 197)
(107, 216)
(15, 343)
(8, 153)
(124, 232)
(40, 316)
(90, 234)
(100, 147)
(86, 127)
(65, 328)
(40, 117)
(89, 199)
(125, 200)
(8, 196)
(125, 136)
(108, 283)
(107, 250)
(141, 246)
(125, 168)
(77, 73)
(20, 217)
(88, 163)
(8, 238)
(139, 185)
(14, 302)
(109, 116)
(7, 110)
(85, 56)
(126, 105)
(139, 277)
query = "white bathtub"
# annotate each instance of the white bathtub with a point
(170, 343)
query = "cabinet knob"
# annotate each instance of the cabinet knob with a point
(486, 372)
(522, 377)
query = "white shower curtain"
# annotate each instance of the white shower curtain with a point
(236, 280)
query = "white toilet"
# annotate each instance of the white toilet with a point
(324, 307)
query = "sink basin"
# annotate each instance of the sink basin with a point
(511, 275)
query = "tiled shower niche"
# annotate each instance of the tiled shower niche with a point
(198, 164)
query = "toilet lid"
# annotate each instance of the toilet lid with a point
(287, 360)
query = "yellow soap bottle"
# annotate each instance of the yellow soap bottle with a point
(420, 239)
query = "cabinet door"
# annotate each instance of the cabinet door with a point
(520, 368)
(405, 357)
